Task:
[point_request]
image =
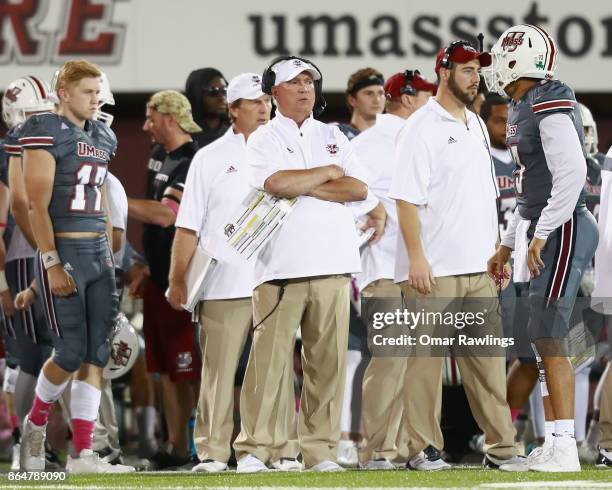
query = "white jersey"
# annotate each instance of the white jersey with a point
(603, 255)
(216, 184)
(18, 248)
(118, 204)
(375, 148)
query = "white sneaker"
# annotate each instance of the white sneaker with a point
(15, 459)
(378, 464)
(287, 464)
(90, 462)
(327, 467)
(564, 457)
(477, 443)
(347, 453)
(32, 450)
(428, 460)
(538, 455)
(250, 464)
(210, 466)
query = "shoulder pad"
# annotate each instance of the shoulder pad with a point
(553, 96)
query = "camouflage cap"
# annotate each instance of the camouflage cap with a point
(175, 104)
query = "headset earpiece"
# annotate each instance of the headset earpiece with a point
(268, 79)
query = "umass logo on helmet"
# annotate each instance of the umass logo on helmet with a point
(512, 41)
(90, 151)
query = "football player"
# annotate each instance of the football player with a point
(552, 233)
(66, 156)
(23, 98)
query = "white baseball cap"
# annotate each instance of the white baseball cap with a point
(244, 86)
(289, 69)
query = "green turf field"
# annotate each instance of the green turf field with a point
(590, 477)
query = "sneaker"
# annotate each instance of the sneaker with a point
(15, 458)
(287, 464)
(378, 464)
(110, 455)
(588, 454)
(346, 454)
(428, 460)
(492, 463)
(564, 457)
(163, 460)
(32, 450)
(52, 461)
(477, 443)
(327, 467)
(250, 464)
(538, 455)
(604, 460)
(90, 462)
(210, 466)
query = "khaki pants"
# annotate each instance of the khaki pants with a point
(224, 327)
(321, 306)
(484, 378)
(605, 412)
(383, 403)
(106, 431)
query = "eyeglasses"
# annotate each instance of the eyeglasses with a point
(214, 91)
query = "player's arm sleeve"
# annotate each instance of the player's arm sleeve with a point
(12, 147)
(509, 238)
(412, 173)
(262, 157)
(193, 203)
(38, 133)
(567, 166)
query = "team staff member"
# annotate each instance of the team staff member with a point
(169, 336)
(365, 98)
(442, 200)
(301, 274)
(383, 382)
(215, 187)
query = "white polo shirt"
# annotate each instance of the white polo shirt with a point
(216, 183)
(443, 166)
(602, 291)
(375, 148)
(318, 237)
(118, 204)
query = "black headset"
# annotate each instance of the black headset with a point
(446, 61)
(268, 80)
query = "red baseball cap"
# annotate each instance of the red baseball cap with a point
(408, 82)
(463, 53)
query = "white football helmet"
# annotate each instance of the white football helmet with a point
(105, 97)
(591, 141)
(522, 51)
(125, 347)
(24, 96)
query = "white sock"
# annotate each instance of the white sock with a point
(47, 391)
(84, 401)
(550, 432)
(564, 428)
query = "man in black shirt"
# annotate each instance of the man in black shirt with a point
(206, 89)
(169, 335)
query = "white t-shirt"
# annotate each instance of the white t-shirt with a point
(318, 237)
(118, 204)
(375, 148)
(443, 166)
(216, 184)
(603, 255)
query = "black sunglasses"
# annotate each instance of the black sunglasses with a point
(214, 91)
